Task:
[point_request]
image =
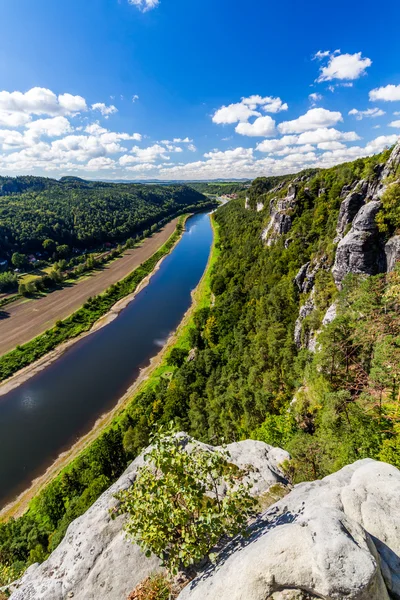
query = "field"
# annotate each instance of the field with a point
(24, 319)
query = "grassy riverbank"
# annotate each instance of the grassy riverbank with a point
(85, 317)
(76, 480)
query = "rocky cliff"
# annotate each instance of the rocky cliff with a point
(333, 539)
(96, 562)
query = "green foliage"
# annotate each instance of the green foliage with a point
(8, 282)
(39, 213)
(388, 218)
(175, 508)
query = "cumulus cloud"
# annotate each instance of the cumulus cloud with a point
(394, 124)
(325, 134)
(240, 112)
(144, 5)
(10, 119)
(101, 163)
(261, 127)
(54, 127)
(41, 101)
(388, 93)
(145, 155)
(134, 98)
(343, 66)
(313, 119)
(104, 109)
(370, 112)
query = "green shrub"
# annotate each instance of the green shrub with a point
(176, 509)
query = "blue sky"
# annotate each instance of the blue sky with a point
(194, 89)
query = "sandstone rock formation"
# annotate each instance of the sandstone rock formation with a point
(332, 539)
(360, 251)
(96, 562)
(280, 221)
(392, 252)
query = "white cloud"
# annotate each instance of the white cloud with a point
(394, 124)
(389, 93)
(144, 5)
(192, 148)
(261, 127)
(105, 110)
(41, 101)
(313, 119)
(145, 155)
(101, 163)
(324, 134)
(331, 146)
(370, 112)
(321, 54)
(10, 119)
(314, 98)
(134, 98)
(272, 146)
(234, 113)
(54, 127)
(344, 66)
(397, 113)
(295, 150)
(240, 112)
(11, 139)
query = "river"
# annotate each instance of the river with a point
(48, 413)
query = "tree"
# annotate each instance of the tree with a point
(175, 506)
(18, 260)
(177, 357)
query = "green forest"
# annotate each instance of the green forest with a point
(244, 376)
(39, 214)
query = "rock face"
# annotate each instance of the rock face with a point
(96, 562)
(332, 539)
(392, 252)
(280, 221)
(304, 312)
(360, 251)
(259, 206)
(348, 210)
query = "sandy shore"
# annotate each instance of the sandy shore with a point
(18, 506)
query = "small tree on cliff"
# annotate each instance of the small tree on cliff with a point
(184, 499)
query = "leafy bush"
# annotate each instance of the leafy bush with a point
(176, 508)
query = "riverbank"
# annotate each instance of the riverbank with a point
(149, 376)
(32, 357)
(39, 365)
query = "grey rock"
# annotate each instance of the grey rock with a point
(259, 206)
(333, 539)
(247, 203)
(330, 314)
(301, 275)
(306, 310)
(95, 561)
(393, 163)
(348, 210)
(392, 252)
(360, 251)
(280, 221)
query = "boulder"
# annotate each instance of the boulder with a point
(392, 252)
(95, 561)
(333, 539)
(259, 206)
(360, 251)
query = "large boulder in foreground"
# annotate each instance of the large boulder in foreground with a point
(335, 539)
(95, 561)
